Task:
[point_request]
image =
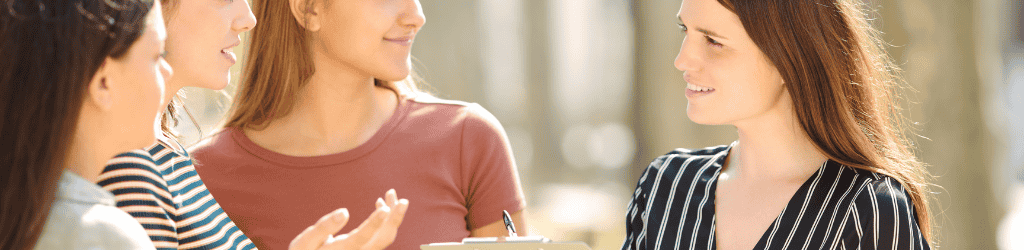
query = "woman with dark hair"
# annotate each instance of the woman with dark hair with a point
(822, 160)
(80, 81)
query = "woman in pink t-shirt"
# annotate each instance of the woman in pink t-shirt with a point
(326, 116)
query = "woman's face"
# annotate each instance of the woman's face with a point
(372, 38)
(729, 79)
(201, 37)
(135, 83)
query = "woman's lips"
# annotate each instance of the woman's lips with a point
(229, 54)
(693, 90)
(404, 40)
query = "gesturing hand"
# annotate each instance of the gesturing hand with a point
(376, 232)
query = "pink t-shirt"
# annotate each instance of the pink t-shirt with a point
(452, 160)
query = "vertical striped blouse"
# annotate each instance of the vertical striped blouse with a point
(161, 189)
(839, 207)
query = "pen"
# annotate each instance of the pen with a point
(508, 224)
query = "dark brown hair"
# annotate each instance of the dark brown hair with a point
(277, 65)
(845, 88)
(51, 49)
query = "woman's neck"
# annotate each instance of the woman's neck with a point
(173, 86)
(331, 106)
(88, 153)
(774, 146)
(335, 111)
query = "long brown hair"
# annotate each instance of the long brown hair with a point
(845, 88)
(277, 65)
(51, 49)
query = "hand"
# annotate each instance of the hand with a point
(377, 232)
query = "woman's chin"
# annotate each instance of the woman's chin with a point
(394, 76)
(216, 83)
(702, 118)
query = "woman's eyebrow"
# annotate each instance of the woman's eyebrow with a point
(703, 30)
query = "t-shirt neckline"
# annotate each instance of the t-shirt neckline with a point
(283, 160)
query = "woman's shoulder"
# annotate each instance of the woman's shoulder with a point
(149, 159)
(882, 196)
(429, 104)
(884, 206)
(700, 152)
(83, 216)
(466, 116)
(222, 141)
(682, 157)
(876, 187)
(73, 225)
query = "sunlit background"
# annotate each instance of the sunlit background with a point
(588, 95)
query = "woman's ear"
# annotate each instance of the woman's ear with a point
(307, 13)
(99, 90)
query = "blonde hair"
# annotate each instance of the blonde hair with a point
(277, 65)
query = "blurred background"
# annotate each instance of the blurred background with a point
(588, 95)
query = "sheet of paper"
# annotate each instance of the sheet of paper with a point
(507, 246)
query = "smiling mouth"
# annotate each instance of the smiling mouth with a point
(698, 88)
(230, 48)
(405, 40)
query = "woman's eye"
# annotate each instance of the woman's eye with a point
(713, 42)
(682, 28)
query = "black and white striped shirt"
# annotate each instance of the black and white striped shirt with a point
(839, 207)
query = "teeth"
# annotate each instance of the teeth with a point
(697, 88)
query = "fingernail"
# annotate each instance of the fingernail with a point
(341, 213)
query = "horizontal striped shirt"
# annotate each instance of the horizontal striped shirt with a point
(161, 189)
(839, 207)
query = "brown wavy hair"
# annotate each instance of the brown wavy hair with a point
(51, 50)
(845, 88)
(277, 65)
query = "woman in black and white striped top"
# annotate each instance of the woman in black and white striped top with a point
(822, 160)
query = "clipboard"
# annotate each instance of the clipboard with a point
(507, 243)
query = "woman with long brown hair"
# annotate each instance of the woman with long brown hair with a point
(823, 160)
(326, 116)
(80, 81)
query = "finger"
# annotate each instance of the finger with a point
(318, 233)
(380, 203)
(391, 197)
(362, 234)
(389, 230)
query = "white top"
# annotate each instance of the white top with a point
(83, 216)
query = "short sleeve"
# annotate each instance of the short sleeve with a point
(490, 180)
(140, 190)
(883, 217)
